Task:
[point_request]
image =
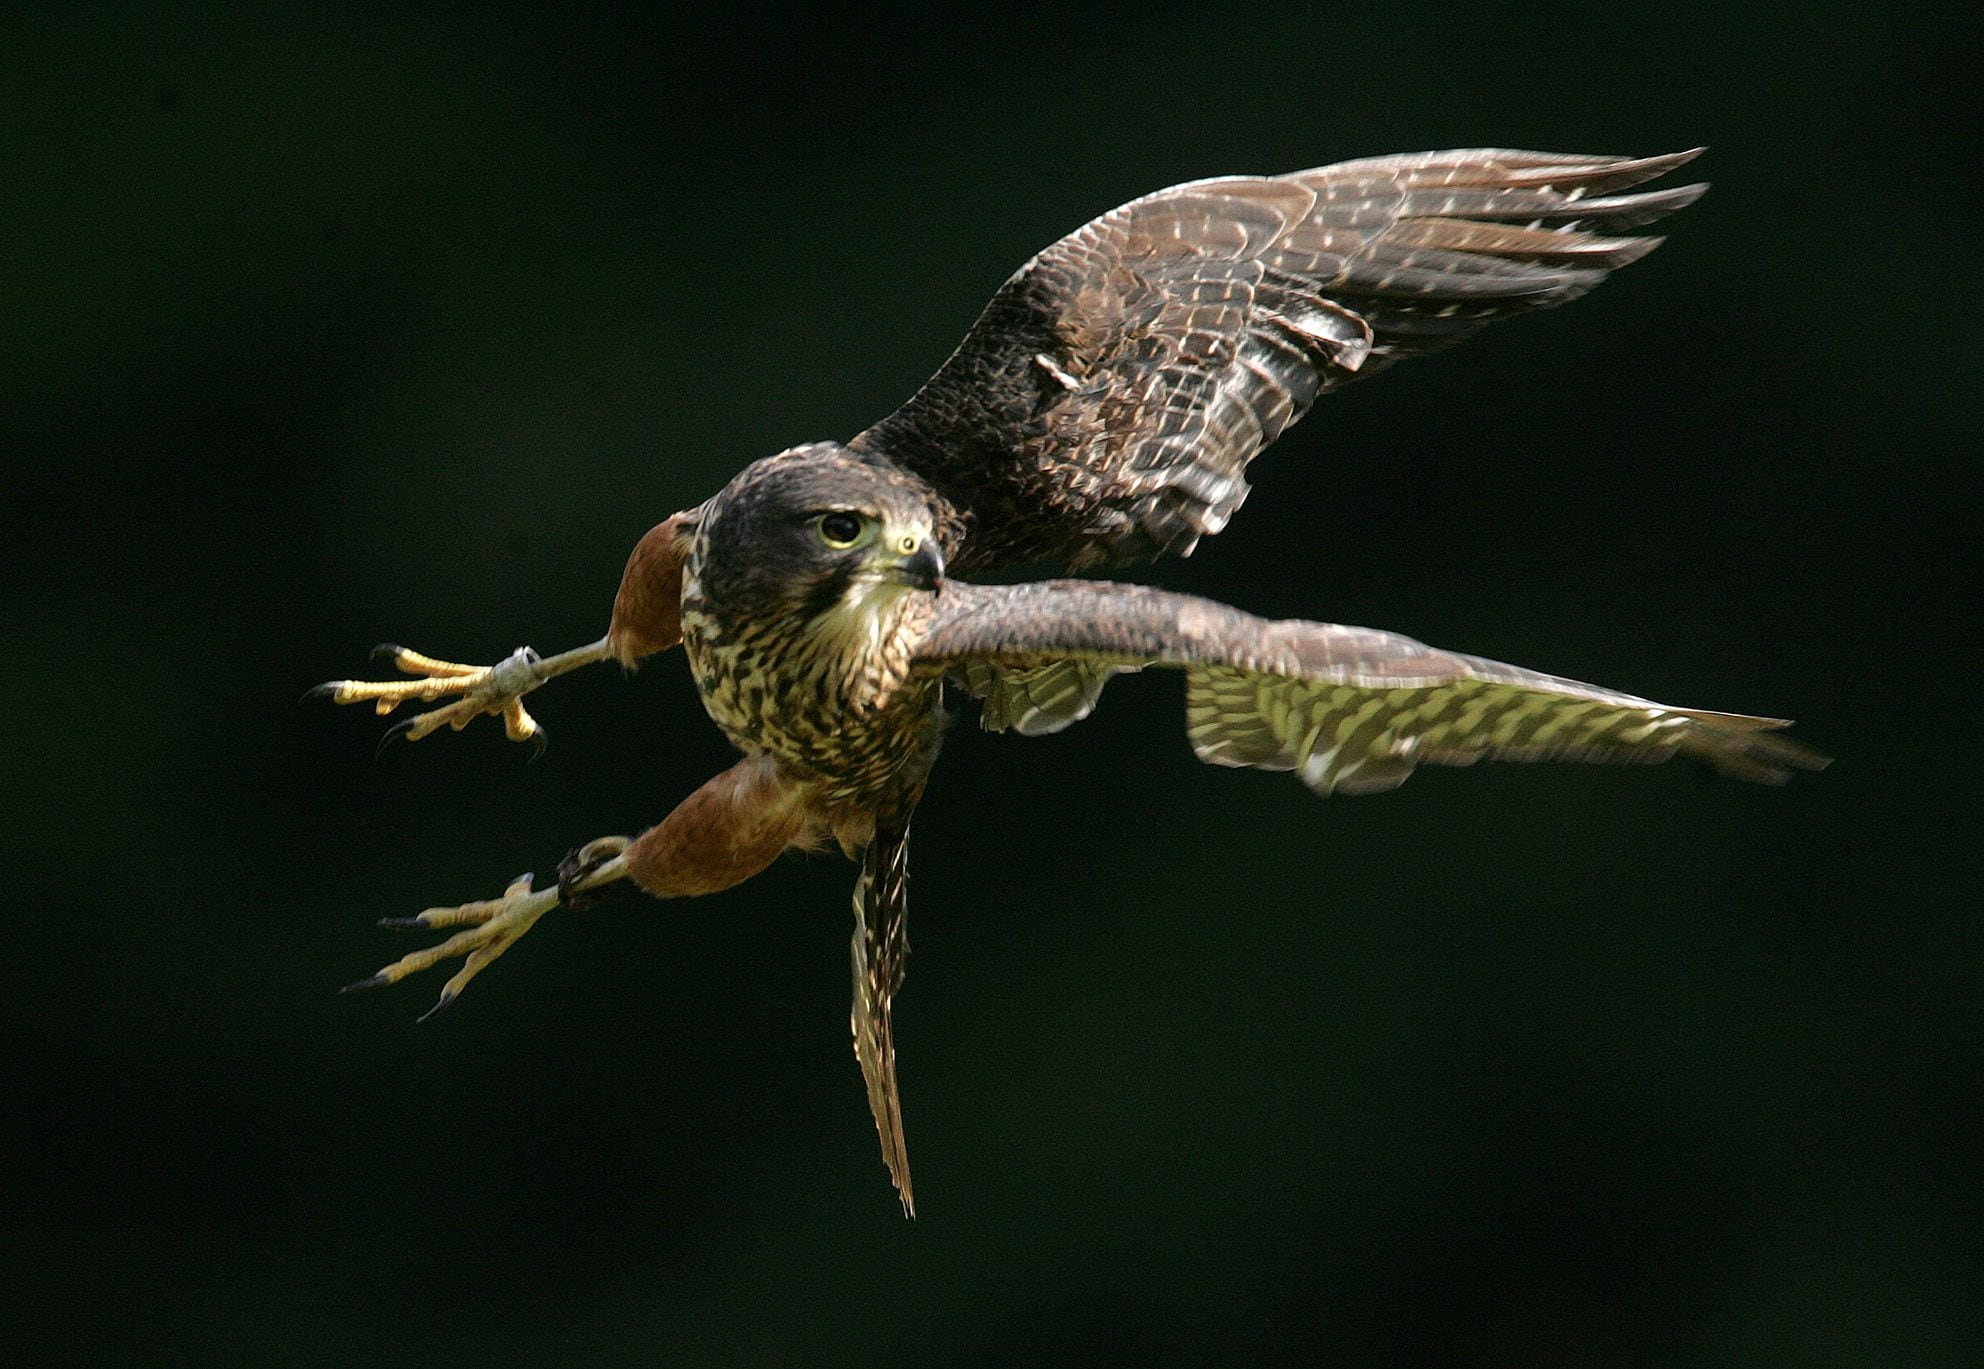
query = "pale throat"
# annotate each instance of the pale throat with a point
(861, 623)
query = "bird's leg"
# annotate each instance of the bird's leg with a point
(647, 614)
(725, 832)
(495, 925)
(497, 690)
(647, 608)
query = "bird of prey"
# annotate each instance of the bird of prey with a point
(1101, 411)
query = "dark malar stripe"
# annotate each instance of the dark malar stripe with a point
(827, 591)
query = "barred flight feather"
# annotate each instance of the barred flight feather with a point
(1351, 710)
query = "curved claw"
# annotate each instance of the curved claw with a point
(393, 734)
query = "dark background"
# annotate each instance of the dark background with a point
(316, 332)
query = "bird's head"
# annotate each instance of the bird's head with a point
(819, 532)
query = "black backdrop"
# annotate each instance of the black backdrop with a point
(322, 331)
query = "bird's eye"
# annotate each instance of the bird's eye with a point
(840, 530)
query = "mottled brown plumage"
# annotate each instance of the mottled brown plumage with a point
(800, 651)
(1103, 409)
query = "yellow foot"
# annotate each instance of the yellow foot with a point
(496, 690)
(496, 924)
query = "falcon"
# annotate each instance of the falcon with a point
(1101, 411)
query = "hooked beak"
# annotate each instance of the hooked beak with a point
(913, 561)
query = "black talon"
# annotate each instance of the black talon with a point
(398, 729)
(445, 1000)
(326, 690)
(401, 922)
(386, 651)
(371, 981)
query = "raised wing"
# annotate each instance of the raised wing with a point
(1105, 405)
(881, 946)
(1349, 709)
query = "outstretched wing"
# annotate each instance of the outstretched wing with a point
(1105, 405)
(1350, 709)
(881, 945)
